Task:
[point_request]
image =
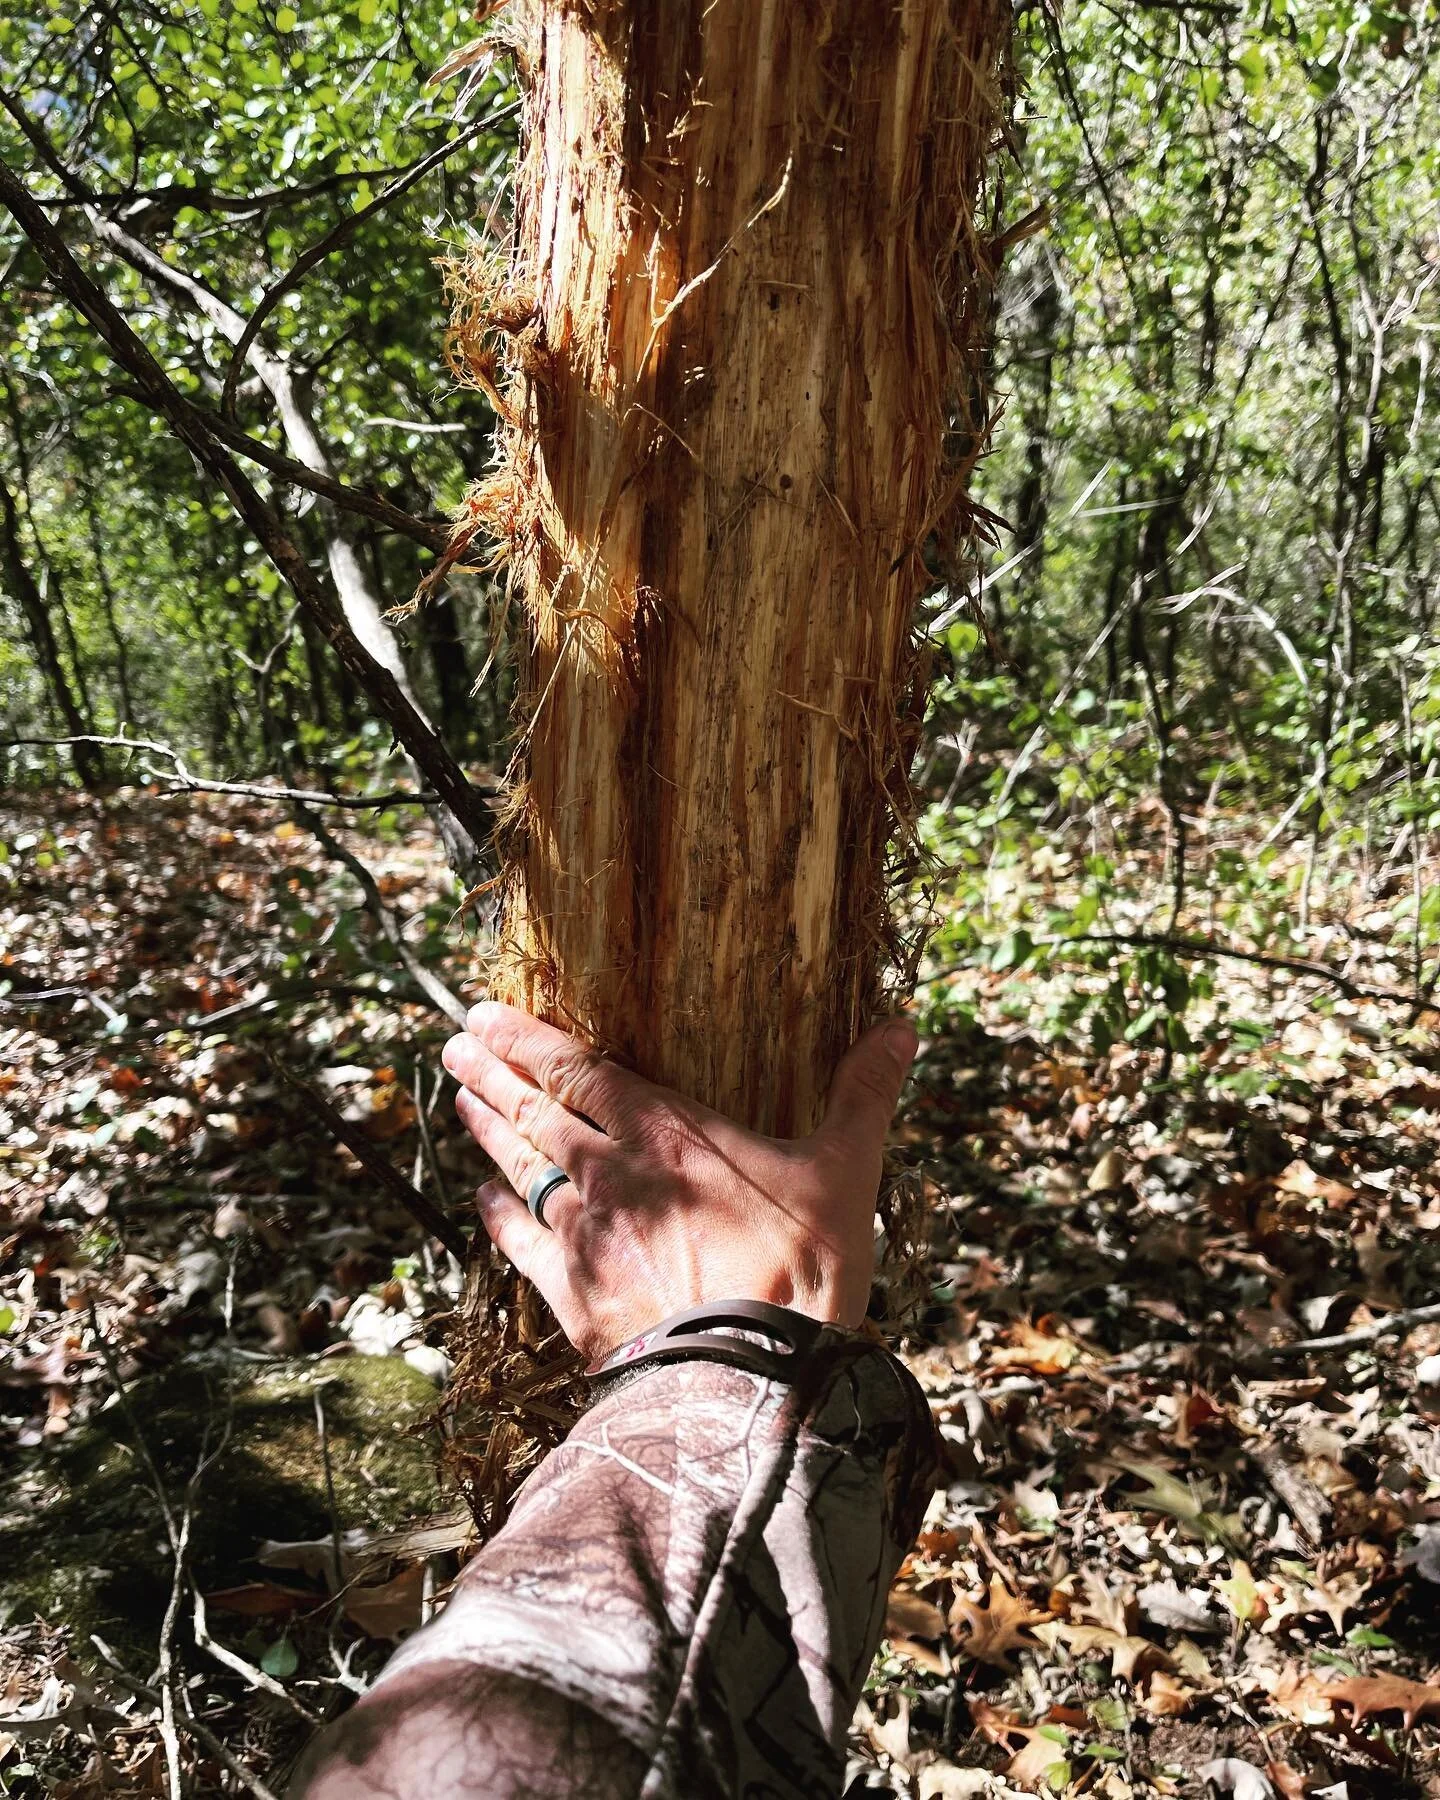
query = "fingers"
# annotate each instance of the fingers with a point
(866, 1088)
(581, 1079)
(531, 1248)
(541, 1121)
(517, 1159)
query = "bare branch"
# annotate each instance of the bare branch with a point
(1185, 946)
(429, 983)
(181, 781)
(335, 238)
(411, 728)
(375, 1164)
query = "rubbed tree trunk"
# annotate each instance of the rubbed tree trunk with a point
(737, 348)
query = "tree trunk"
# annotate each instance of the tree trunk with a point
(743, 316)
(26, 590)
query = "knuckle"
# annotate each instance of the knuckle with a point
(529, 1112)
(569, 1074)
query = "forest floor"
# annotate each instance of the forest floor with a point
(1176, 1542)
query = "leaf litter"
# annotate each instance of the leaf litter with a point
(1171, 1549)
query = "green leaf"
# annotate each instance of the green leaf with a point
(366, 11)
(8, 1316)
(146, 98)
(286, 19)
(280, 1659)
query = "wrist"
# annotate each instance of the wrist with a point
(759, 1335)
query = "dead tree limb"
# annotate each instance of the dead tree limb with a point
(181, 781)
(379, 1167)
(386, 693)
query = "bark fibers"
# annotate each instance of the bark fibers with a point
(737, 348)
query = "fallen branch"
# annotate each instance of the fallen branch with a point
(423, 1210)
(181, 781)
(1363, 1334)
(1185, 946)
(197, 1729)
(1298, 965)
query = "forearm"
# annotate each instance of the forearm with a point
(685, 1600)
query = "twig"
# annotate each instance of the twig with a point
(1186, 946)
(182, 781)
(298, 992)
(1364, 1334)
(428, 982)
(197, 1729)
(257, 1678)
(381, 685)
(165, 1664)
(338, 236)
(423, 1210)
(427, 1139)
(336, 1554)
(122, 1396)
(38, 996)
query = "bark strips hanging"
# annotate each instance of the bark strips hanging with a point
(737, 349)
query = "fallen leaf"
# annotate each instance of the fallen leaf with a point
(1370, 1694)
(1165, 1697)
(1045, 1348)
(259, 1600)
(1299, 1178)
(1041, 1747)
(390, 1609)
(1233, 1775)
(908, 1616)
(946, 1781)
(991, 1632)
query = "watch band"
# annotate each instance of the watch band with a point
(703, 1331)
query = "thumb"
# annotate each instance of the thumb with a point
(867, 1085)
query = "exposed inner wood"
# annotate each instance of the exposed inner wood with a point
(742, 326)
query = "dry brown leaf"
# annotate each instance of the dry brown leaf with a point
(392, 1608)
(259, 1600)
(991, 1632)
(908, 1616)
(1367, 1695)
(1335, 1595)
(1125, 1651)
(1165, 1697)
(1287, 1780)
(1301, 1179)
(1302, 1696)
(1041, 1747)
(1044, 1348)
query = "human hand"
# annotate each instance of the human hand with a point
(670, 1205)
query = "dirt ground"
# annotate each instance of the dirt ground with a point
(1186, 1536)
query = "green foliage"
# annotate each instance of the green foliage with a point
(1215, 712)
(229, 138)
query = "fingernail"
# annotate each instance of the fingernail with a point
(475, 1018)
(902, 1040)
(454, 1048)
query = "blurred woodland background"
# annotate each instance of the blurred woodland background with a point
(1177, 1112)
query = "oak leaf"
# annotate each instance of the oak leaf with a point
(1041, 1748)
(392, 1608)
(909, 1616)
(991, 1632)
(1370, 1694)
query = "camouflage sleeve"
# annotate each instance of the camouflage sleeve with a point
(684, 1601)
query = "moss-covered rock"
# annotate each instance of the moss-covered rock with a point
(82, 1537)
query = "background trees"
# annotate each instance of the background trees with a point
(1217, 451)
